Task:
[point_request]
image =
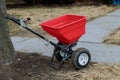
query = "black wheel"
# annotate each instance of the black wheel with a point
(81, 58)
(57, 54)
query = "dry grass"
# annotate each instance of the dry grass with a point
(42, 13)
(39, 14)
(93, 72)
(113, 38)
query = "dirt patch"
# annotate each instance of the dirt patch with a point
(35, 67)
(41, 13)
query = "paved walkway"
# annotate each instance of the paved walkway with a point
(97, 30)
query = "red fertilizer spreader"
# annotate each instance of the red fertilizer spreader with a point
(67, 29)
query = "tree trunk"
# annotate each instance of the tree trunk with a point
(6, 47)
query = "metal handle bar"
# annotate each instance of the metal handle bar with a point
(23, 22)
(16, 20)
(20, 22)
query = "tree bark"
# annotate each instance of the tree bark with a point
(6, 47)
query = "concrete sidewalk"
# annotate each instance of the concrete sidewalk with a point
(96, 29)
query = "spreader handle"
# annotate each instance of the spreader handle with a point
(16, 20)
(20, 22)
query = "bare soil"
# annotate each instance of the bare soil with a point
(35, 67)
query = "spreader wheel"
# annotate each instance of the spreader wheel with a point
(81, 58)
(58, 54)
